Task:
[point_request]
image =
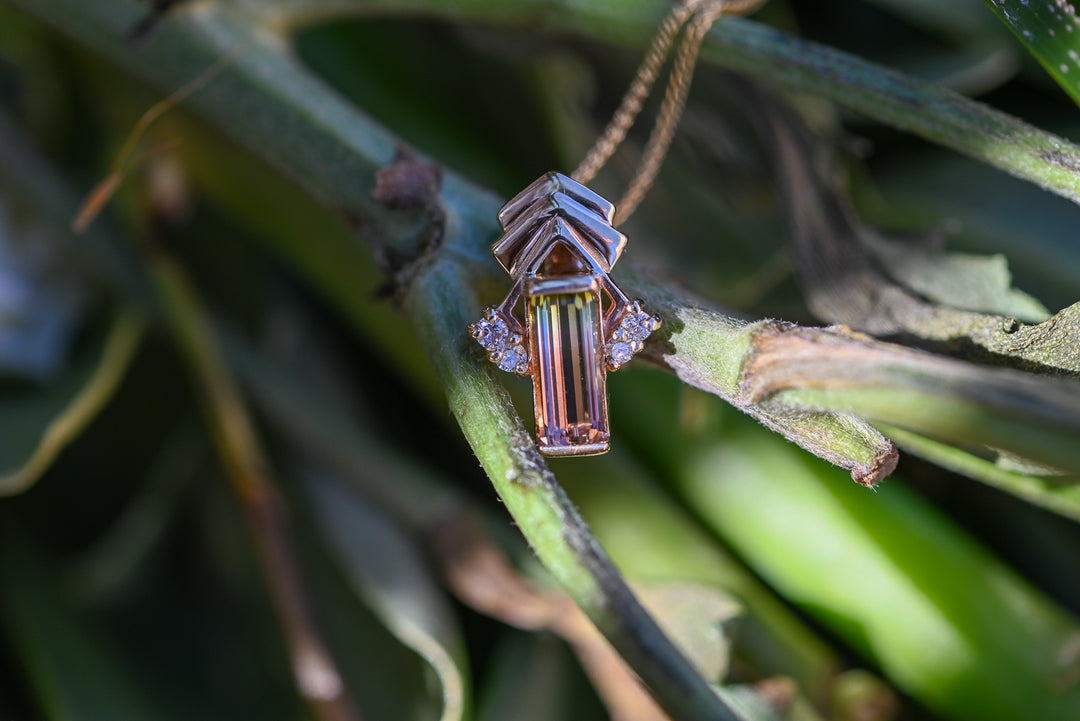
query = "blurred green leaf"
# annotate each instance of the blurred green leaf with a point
(1060, 494)
(38, 423)
(974, 640)
(1050, 30)
(388, 572)
(73, 671)
(699, 618)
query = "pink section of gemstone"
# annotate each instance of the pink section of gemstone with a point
(569, 383)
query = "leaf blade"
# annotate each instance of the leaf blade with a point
(1051, 33)
(384, 569)
(886, 556)
(93, 388)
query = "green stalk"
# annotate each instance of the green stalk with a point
(653, 541)
(442, 305)
(1054, 493)
(889, 97)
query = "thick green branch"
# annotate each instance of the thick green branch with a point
(833, 369)
(934, 113)
(442, 305)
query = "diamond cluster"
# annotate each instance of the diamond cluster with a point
(505, 347)
(629, 337)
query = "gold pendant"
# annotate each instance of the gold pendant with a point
(558, 245)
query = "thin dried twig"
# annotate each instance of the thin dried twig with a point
(122, 164)
(317, 676)
(482, 577)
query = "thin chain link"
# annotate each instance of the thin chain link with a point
(667, 121)
(705, 13)
(639, 90)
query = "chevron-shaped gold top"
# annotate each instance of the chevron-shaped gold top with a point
(557, 209)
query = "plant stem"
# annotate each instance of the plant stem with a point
(317, 677)
(120, 347)
(836, 370)
(1052, 493)
(442, 304)
(936, 114)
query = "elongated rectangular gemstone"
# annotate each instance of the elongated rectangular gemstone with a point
(569, 381)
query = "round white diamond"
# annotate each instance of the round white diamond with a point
(621, 352)
(493, 334)
(511, 358)
(636, 326)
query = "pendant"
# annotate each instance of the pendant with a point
(558, 245)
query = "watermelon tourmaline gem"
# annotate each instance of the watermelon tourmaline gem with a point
(569, 382)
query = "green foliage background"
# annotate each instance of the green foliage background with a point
(228, 452)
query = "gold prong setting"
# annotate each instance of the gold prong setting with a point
(628, 337)
(502, 340)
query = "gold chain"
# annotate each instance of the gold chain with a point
(639, 90)
(704, 13)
